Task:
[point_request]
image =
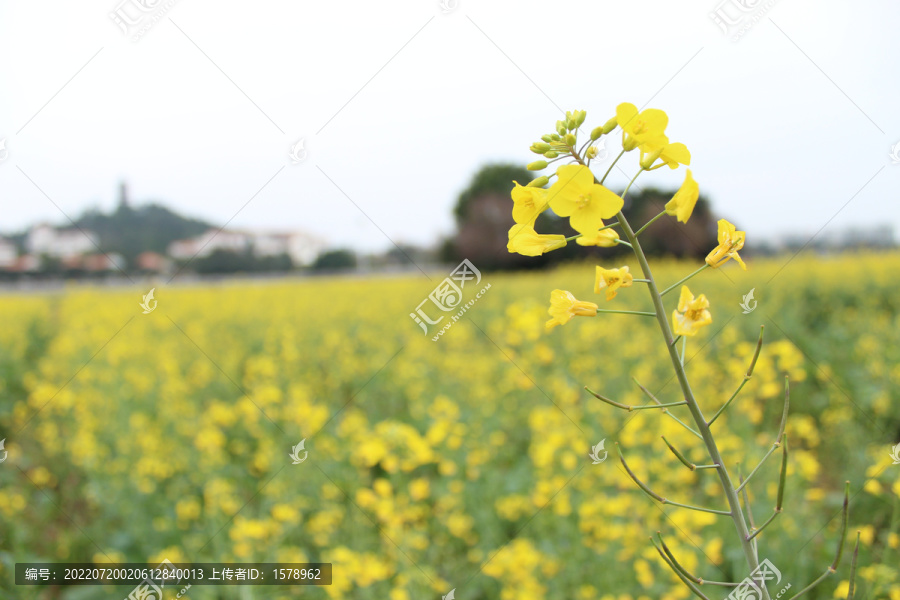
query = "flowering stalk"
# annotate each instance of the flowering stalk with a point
(737, 515)
(580, 196)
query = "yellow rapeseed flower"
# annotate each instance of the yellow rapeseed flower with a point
(692, 313)
(730, 241)
(671, 154)
(528, 203)
(611, 280)
(640, 128)
(528, 242)
(682, 203)
(564, 306)
(575, 195)
(605, 238)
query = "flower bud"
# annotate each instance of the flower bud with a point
(547, 138)
(561, 128)
(551, 154)
(555, 137)
(537, 165)
(539, 147)
(610, 125)
(648, 159)
(539, 182)
(571, 139)
(596, 133)
(580, 116)
(591, 152)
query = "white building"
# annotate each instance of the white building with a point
(8, 254)
(301, 247)
(60, 243)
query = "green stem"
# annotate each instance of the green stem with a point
(641, 280)
(666, 410)
(753, 472)
(649, 223)
(675, 285)
(685, 580)
(737, 516)
(746, 377)
(628, 187)
(611, 167)
(629, 407)
(659, 498)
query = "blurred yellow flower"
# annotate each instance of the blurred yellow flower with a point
(523, 239)
(682, 203)
(528, 203)
(564, 306)
(575, 195)
(611, 280)
(730, 241)
(692, 313)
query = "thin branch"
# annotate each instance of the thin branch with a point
(779, 502)
(627, 312)
(779, 439)
(659, 498)
(648, 224)
(665, 410)
(837, 559)
(746, 377)
(753, 472)
(746, 501)
(675, 562)
(680, 281)
(685, 580)
(630, 407)
(685, 572)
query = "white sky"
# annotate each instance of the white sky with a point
(779, 144)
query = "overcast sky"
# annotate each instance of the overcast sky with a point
(399, 104)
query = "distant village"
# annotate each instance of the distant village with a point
(145, 240)
(75, 249)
